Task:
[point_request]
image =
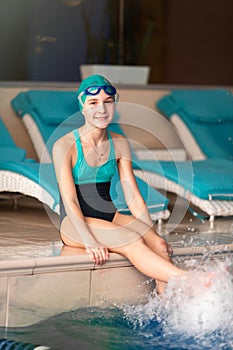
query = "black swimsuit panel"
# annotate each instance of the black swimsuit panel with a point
(94, 200)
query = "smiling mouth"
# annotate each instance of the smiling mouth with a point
(101, 118)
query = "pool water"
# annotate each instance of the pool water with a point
(195, 312)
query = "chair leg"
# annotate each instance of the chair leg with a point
(159, 225)
(15, 203)
(212, 221)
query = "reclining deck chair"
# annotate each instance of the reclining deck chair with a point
(203, 119)
(19, 174)
(25, 176)
(194, 181)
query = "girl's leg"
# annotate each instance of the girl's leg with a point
(121, 240)
(156, 243)
(153, 240)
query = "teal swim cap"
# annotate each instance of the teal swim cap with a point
(90, 85)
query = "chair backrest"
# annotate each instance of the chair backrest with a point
(203, 116)
(8, 149)
(5, 137)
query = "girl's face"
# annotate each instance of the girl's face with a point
(98, 110)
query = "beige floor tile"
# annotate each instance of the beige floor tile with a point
(29, 232)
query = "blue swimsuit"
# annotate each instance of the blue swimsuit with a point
(93, 184)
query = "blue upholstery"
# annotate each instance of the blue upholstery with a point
(8, 148)
(5, 139)
(208, 114)
(155, 201)
(49, 109)
(12, 154)
(41, 174)
(13, 159)
(209, 177)
(52, 107)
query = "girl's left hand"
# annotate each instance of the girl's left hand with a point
(98, 254)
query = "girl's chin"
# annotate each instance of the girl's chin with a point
(102, 126)
(102, 123)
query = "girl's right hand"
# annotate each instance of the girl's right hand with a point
(98, 254)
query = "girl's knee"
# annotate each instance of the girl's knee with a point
(162, 243)
(131, 246)
(137, 244)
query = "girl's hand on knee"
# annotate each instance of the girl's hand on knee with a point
(166, 248)
(98, 254)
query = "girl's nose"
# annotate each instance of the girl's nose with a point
(101, 107)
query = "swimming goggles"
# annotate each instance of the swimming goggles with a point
(95, 90)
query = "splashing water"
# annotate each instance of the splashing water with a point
(194, 305)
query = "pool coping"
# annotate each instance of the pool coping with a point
(57, 263)
(33, 266)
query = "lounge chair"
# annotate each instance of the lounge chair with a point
(19, 174)
(203, 119)
(193, 180)
(42, 111)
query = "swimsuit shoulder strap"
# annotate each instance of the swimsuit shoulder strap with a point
(112, 154)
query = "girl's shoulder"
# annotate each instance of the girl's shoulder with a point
(121, 145)
(64, 143)
(115, 135)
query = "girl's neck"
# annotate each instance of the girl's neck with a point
(94, 135)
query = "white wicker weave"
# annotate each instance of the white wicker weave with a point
(13, 182)
(211, 207)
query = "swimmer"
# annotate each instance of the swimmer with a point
(85, 161)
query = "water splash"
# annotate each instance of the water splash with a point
(193, 305)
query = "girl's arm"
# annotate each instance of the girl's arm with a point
(133, 197)
(63, 153)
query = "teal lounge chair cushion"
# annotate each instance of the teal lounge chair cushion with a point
(49, 109)
(5, 137)
(52, 107)
(41, 174)
(210, 177)
(8, 148)
(12, 153)
(44, 175)
(208, 114)
(154, 200)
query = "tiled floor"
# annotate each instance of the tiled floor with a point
(29, 232)
(26, 231)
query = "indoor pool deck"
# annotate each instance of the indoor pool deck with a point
(40, 278)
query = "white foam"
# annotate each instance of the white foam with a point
(190, 306)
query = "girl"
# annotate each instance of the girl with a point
(85, 161)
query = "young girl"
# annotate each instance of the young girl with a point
(85, 161)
